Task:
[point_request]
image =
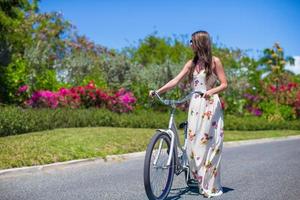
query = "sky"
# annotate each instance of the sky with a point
(248, 25)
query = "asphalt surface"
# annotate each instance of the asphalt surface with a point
(254, 171)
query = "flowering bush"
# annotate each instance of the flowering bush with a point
(43, 98)
(275, 112)
(252, 104)
(22, 93)
(23, 88)
(297, 103)
(283, 101)
(286, 93)
(82, 96)
(121, 101)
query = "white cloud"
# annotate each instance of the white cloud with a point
(294, 68)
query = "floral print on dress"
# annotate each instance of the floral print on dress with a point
(205, 138)
(191, 135)
(217, 151)
(210, 101)
(215, 172)
(208, 114)
(208, 165)
(192, 112)
(192, 155)
(197, 177)
(222, 133)
(214, 124)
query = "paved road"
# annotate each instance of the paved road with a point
(256, 171)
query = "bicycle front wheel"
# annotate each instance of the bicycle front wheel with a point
(158, 177)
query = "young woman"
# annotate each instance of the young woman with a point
(205, 115)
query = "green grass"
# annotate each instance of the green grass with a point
(76, 143)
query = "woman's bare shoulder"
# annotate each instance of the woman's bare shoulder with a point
(216, 59)
(189, 63)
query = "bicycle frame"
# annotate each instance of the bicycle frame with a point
(173, 132)
(175, 142)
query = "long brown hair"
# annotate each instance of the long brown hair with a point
(201, 45)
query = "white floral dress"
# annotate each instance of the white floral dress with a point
(205, 138)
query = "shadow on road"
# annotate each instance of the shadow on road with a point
(176, 193)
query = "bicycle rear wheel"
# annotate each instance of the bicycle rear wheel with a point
(158, 177)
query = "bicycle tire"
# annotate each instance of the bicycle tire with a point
(147, 165)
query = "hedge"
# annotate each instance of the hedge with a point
(16, 120)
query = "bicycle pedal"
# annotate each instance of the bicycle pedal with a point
(192, 183)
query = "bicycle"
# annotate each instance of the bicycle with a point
(168, 155)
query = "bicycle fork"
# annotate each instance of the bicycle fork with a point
(182, 162)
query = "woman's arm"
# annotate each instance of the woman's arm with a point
(172, 83)
(221, 76)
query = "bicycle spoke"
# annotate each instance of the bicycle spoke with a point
(158, 177)
(159, 172)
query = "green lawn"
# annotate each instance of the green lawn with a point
(77, 143)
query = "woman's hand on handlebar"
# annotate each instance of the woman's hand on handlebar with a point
(151, 93)
(208, 94)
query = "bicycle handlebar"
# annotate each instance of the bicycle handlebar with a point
(169, 102)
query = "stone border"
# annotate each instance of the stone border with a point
(120, 157)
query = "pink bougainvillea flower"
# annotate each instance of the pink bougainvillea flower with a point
(272, 88)
(127, 98)
(91, 85)
(23, 88)
(63, 91)
(44, 98)
(86, 96)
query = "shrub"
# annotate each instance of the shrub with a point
(83, 96)
(287, 97)
(273, 111)
(252, 123)
(17, 120)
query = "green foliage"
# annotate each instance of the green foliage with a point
(13, 22)
(47, 81)
(273, 111)
(44, 51)
(15, 120)
(15, 75)
(159, 67)
(117, 71)
(155, 76)
(242, 76)
(273, 63)
(141, 90)
(157, 50)
(274, 60)
(82, 61)
(52, 52)
(13, 39)
(252, 123)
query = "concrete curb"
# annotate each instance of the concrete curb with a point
(111, 158)
(258, 141)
